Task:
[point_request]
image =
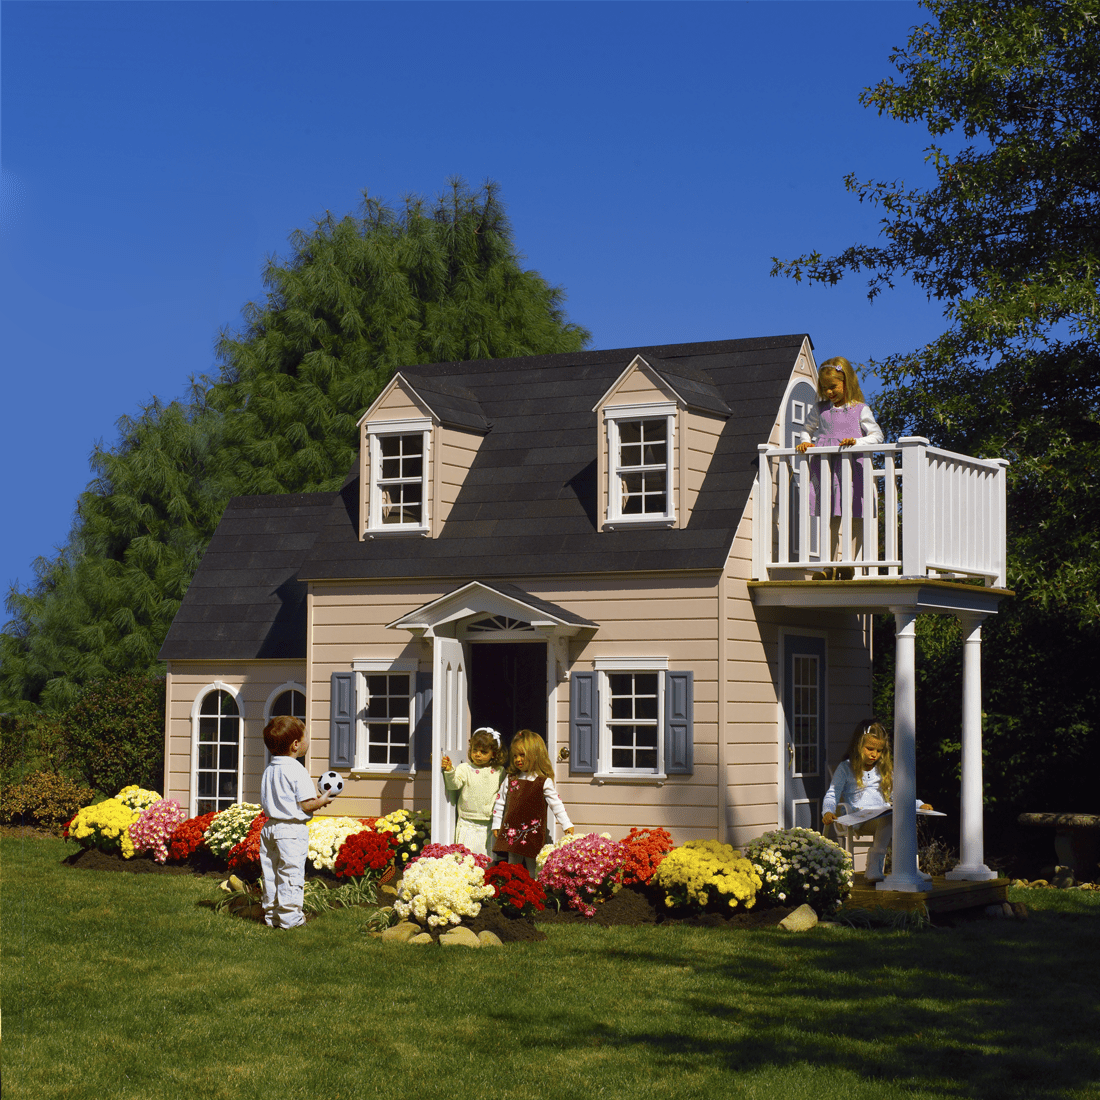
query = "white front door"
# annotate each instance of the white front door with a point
(450, 717)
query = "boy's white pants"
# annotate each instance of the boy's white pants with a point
(283, 850)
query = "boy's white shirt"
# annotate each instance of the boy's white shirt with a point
(284, 784)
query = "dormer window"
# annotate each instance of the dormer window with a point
(398, 463)
(640, 448)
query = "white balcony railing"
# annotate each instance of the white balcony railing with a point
(935, 513)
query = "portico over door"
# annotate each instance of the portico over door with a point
(466, 612)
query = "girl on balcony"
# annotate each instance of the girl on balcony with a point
(841, 419)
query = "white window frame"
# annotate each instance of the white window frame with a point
(196, 717)
(614, 417)
(605, 666)
(363, 669)
(375, 433)
(288, 686)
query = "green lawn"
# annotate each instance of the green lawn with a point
(121, 986)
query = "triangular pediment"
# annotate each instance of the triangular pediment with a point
(488, 606)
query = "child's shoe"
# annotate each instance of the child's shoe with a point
(874, 872)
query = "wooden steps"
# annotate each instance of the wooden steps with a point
(944, 896)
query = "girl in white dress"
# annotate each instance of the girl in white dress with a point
(477, 782)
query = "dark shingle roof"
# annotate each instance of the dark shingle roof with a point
(245, 600)
(528, 503)
(526, 507)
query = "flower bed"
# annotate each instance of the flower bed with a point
(706, 871)
(326, 835)
(229, 828)
(154, 827)
(799, 866)
(442, 891)
(365, 853)
(583, 871)
(515, 891)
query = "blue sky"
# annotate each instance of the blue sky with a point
(653, 158)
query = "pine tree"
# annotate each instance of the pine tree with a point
(358, 298)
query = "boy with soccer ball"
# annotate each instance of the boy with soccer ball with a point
(289, 799)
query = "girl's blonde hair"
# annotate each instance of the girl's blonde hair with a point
(872, 730)
(534, 749)
(482, 739)
(839, 365)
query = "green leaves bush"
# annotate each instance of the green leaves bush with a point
(116, 732)
(43, 799)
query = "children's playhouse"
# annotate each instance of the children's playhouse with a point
(613, 548)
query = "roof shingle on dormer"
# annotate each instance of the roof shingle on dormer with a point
(528, 501)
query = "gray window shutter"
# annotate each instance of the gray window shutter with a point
(341, 723)
(679, 720)
(422, 727)
(584, 726)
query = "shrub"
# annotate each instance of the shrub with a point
(115, 732)
(645, 849)
(105, 826)
(442, 891)
(364, 853)
(137, 798)
(229, 828)
(30, 743)
(706, 872)
(798, 866)
(515, 890)
(583, 872)
(188, 840)
(43, 799)
(154, 827)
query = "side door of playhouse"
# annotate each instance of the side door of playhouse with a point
(803, 768)
(450, 718)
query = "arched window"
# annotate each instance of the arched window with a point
(217, 732)
(290, 701)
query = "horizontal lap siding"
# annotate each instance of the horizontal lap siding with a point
(456, 454)
(255, 680)
(702, 441)
(645, 617)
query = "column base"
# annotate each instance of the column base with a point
(980, 873)
(904, 884)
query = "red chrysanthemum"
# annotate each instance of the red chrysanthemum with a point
(645, 848)
(515, 889)
(363, 854)
(187, 839)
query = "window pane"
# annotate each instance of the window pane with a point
(208, 729)
(292, 703)
(227, 757)
(206, 784)
(206, 756)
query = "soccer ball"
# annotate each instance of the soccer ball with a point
(330, 783)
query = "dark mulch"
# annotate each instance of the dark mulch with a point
(92, 859)
(638, 905)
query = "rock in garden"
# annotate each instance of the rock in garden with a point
(459, 937)
(801, 920)
(400, 933)
(424, 937)
(490, 939)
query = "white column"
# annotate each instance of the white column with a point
(904, 875)
(972, 866)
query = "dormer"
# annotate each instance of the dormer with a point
(658, 428)
(416, 443)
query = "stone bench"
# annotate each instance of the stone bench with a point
(1076, 840)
